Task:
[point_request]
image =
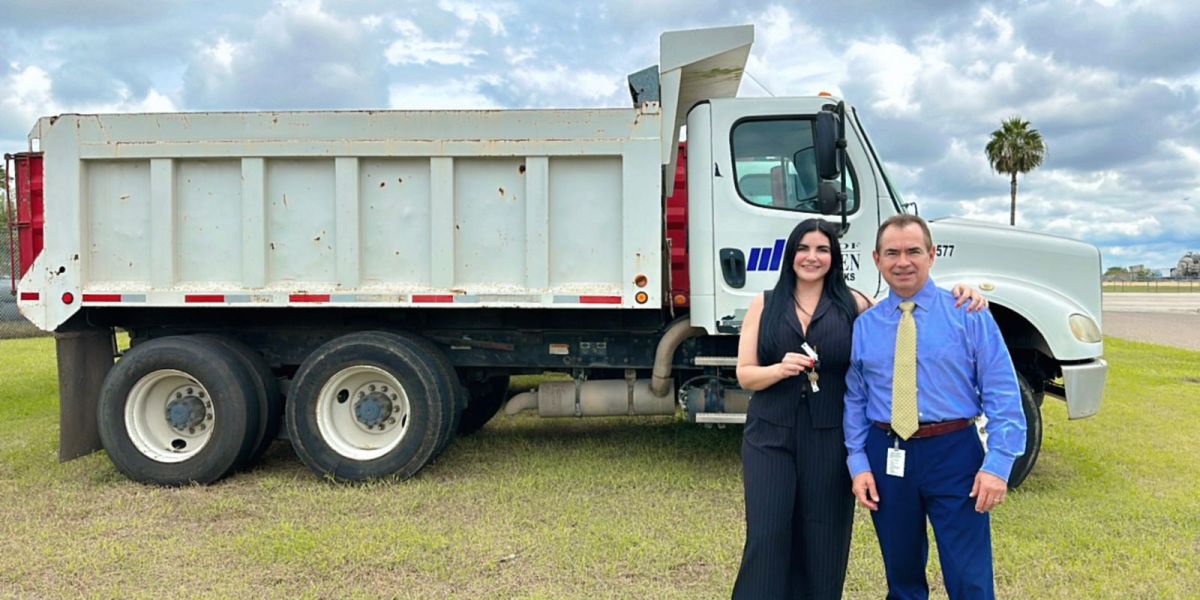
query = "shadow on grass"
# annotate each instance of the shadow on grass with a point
(511, 442)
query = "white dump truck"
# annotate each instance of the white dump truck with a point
(364, 283)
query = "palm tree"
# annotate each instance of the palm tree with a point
(1015, 148)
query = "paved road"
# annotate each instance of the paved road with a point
(1167, 319)
(1181, 302)
(1181, 330)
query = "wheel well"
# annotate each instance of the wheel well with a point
(1030, 353)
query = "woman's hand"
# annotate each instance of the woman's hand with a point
(964, 293)
(793, 364)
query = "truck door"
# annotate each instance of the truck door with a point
(764, 182)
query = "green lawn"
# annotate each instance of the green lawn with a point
(529, 508)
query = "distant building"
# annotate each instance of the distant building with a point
(1188, 267)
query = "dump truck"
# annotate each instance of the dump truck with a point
(365, 283)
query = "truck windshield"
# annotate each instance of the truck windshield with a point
(775, 164)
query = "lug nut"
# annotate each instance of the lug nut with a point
(371, 387)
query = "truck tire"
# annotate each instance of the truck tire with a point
(1031, 406)
(177, 410)
(487, 396)
(265, 388)
(368, 405)
(451, 412)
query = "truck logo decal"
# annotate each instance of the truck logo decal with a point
(766, 259)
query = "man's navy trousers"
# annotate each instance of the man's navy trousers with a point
(939, 473)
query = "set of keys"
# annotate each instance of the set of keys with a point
(812, 371)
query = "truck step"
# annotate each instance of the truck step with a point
(734, 418)
(715, 361)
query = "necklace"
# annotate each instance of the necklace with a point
(801, 307)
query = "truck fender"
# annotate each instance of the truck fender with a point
(1042, 307)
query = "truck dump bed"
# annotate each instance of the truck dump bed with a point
(554, 208)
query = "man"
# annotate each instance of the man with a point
(913, 452)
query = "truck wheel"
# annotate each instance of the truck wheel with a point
(368, 405)
(487, 396)
(1031, 406)
(177, 410)
(265, 388)
(451, 412)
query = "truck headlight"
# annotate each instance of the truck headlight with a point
(1084, 328)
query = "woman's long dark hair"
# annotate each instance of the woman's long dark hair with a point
(771, 328)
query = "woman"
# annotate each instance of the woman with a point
(799, 507)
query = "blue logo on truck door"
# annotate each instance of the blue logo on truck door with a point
(767, 258)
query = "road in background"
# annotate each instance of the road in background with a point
(1170, 319)
(1153, 302)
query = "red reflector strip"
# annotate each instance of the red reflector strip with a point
(599, 299)
(308, 298)
(440, 298)
(30, 296)
(101, 297)
(204, 298)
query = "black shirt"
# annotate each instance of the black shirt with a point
(829, 336)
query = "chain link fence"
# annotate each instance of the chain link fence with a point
(12, 324)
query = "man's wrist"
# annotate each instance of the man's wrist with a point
(858, 463)
(998, 464)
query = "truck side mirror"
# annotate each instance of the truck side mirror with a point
(829, 197)
(825, 142)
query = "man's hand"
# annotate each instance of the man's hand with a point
(864, 490)
(989, 491)
(793, 364)
(964, 294)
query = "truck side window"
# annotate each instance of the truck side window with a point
(774, 164)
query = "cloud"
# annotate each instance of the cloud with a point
(567, 87)
(471, 14)
(296, 56)
(30, 95)
(414, 48)
(450, 95)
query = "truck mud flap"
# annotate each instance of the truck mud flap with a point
(84, 359)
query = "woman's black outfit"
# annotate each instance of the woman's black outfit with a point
(799, 507)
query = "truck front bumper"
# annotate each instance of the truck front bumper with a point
(1082, 388)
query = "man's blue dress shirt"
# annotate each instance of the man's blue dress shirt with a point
(963, 369)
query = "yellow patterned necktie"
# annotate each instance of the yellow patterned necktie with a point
(904, 375)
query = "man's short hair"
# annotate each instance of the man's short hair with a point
(900, 222)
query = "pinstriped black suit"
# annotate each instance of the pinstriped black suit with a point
(799, 508)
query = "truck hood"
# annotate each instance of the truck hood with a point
(979, 250)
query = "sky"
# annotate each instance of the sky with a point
(1113, 86)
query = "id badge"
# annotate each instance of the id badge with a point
(895, 462)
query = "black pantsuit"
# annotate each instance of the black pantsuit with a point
(799, 507)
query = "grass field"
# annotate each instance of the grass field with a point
(531, 508)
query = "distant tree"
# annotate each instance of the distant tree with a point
(1015, 148)
(1114, 272)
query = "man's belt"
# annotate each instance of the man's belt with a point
(928, 430)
